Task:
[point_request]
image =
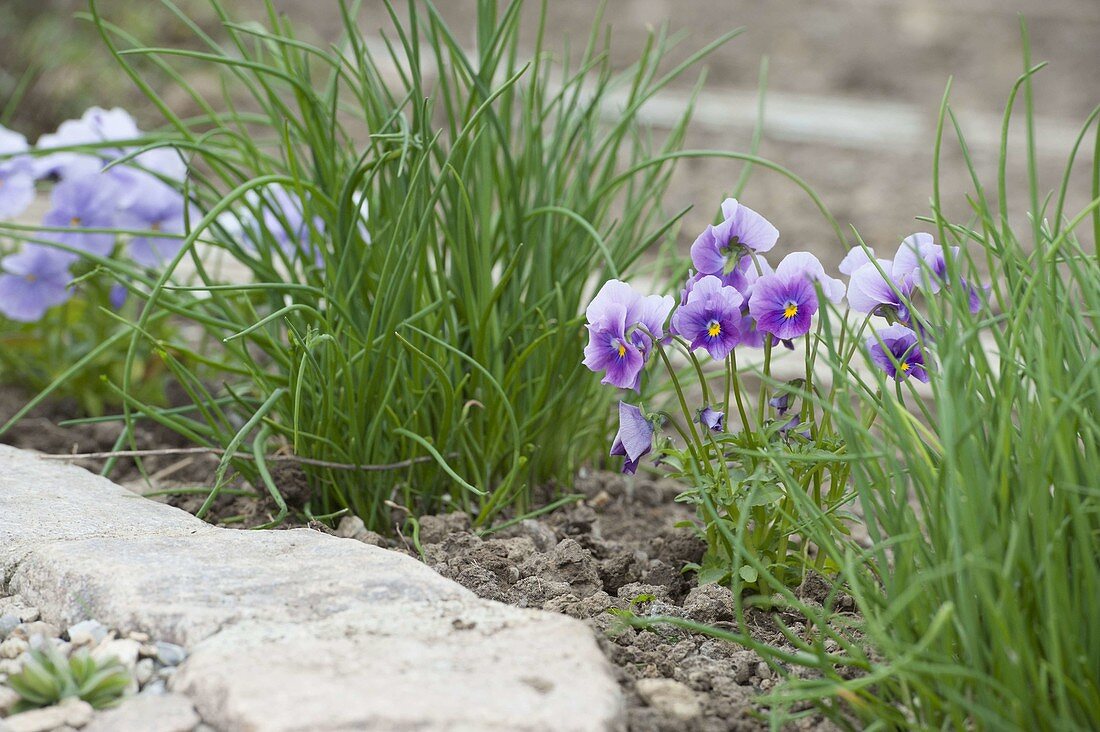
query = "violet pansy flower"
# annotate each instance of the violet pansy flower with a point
(896, 350)
(783, 305)
(621, 326)
(612, 351)
(16, 175)
(711, 317)
(719, 249)
(88, 201)
(32, 281)
(804, 264)
(635, 437)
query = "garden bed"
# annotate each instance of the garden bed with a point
(622, 547)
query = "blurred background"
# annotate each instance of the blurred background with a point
(853, 87)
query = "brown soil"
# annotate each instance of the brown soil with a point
(620, 548)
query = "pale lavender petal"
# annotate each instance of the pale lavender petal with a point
(854, 259)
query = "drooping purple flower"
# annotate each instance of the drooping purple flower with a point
(719, 249)
(33, 281)
(791, 425)
(16, 175)
(711, 318)
(896, 350)
(712, 419)
(635, 437)
(783, 306)
(804, 264)
(159, 209)
(780, 403)
(87, 201)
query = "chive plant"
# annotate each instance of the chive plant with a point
(420, 224)
(977, 594)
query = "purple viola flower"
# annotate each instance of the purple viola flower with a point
(33, 281)
(612, 351)
(783, 305)
(869, 291)
(895, 350)
(635, 437)
(88, 201)
(711, 318)
(16, 174)
(159, 209)
(719, 249)
(804, 264)
(712, 419)
(645, 315)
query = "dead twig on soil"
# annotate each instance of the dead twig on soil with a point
(243, 456)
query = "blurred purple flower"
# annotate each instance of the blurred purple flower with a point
(159, 208)
(33, 281)
(895, 350)
(719, 249)
(635, 437)
(88, 201)
(783, 305)
(16, 175)
(117, 296)
(95, 126)
(711, 318)
(712, 419)
(283, 220)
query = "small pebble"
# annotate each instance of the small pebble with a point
(8, 623)
(87, 633)
(125, 650)
(26, 631)
(139, 637)
(170, 654)
(763, 670)
(144, 671)
(155, 687)
(8, 699)
(13, 648)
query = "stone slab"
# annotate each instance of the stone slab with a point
(293, 630)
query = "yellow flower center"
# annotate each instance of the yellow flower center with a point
(622, 350)
(790, 311)
(904, 366)
(714, 328)
(74, 221)
(31, 278)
